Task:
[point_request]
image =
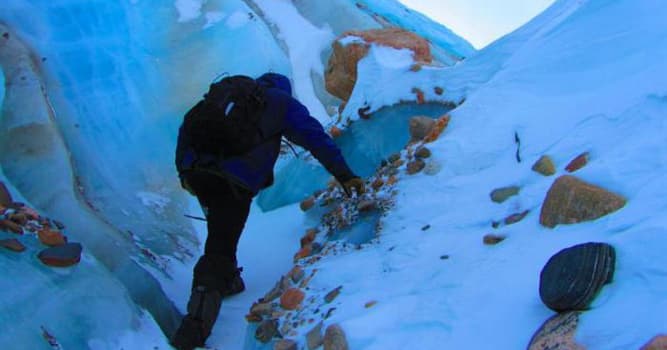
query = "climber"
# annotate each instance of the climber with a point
(227, 147)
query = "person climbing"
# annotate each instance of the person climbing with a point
(227, 147)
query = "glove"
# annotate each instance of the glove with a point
(355, 183)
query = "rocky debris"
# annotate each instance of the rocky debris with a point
(577, 163)
(277, 290)
(571, 200)
(394, 158)
(419, 95)
(304, 252)
(11, 226)
(261, 309)
(285, 344)
(335, 132)
(309, 237)
(61, 256)
(51, 237)
(557, 333)
(438, 128)
(492, 239)
(415, 166)
(267, 330)
(422, 153)
(544, 166)
(331, 296)
(425, 227)
(334, 338)
(307, 203)
(314, 337)
(292, 298)
(658, 342)
(5, 196)
(12, 244)
(370, 304)
(500, 195)
(341, 73)
(296, 274)
(516, 217)
(438, 90)
(377, 184)
(574, 276)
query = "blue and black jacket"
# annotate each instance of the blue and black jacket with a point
(283, 116)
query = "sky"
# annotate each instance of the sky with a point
(480, 21)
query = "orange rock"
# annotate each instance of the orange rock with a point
(438, 90)
(12, 244)
(307, 203)
(51, 238)
(291, 299)
(335, 132)
(11, 226)
(557, 333)
(438, 128)
(19, 218)
(577, 163)
(420, 95)
(377, 184)
(309, 237)
(304, 252)
(392, 180)
(658, 342)
(491, 239)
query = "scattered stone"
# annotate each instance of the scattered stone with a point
(370, 304)
(366, 205)
(492, 239)
(5, 196)
(363, 112)
(18, 218)
(392, 180)
(571, 200)
(307, 203)
(495, 224)
(377, 184)
(394, 157)
(415, 166)
(267, 330)
(61, 256)
(514, 218)
(658, 342)
(51, 238)
(296, 274)
(309, 237)
(11, 226)
(438, 128)
(423, 153)
(304, 252)
(444, 257)
(438, 90)
(261, 309)
(500, 195)
(331, 296)
(574, 276)
(291, 299)
(314, 337)
(420, 95)
(334, 338)
(398, 163)
(12, 244)
(544, 166)
(577, 163)
(277, 290)
(426, 227)
(557, 333)
(253, 318)
(420, 126)
(335, 132)
(285, 344)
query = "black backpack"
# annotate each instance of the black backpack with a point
(225, 123)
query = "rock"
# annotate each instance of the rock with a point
(314, 337)
(285, 344)
(492, 239)
(341, 73)
(309, 237)
(5, 196)
(420, 126)
(398, 163)
(577, 163)
(377, 184)
(51, 238)
(307, 203)
(419, 95)
(438, 90)
(11, 226)
(500, 195)
(304, 252)
(392, 180)
(544, 166)
(291, 299)
(370, 304)
(423, 153)
(658, 342)
(415, 166)
(426, 227)
(571, 200)
(394, 157)
(12, 244)
(296, 274)
(18, 218)
(516, 217)
(331, 296)
(61, 256)
(574, 276)
(267, 330)
(335, 132)
(334, 338)
(557, 333)
(438, 128)
(261, 309)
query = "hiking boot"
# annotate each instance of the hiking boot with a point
(203, 309)
(234, 284)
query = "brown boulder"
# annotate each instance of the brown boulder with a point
(314, 337)
(5, 196)
(296, 274)
(12, 244)
(577, 163)
(334, 338)
(438, 128)
(420, 126)
(557, 333)
(331, 296)
(415, 166)
(341, 72)
(516, 217)
(307, 203)
(51, 238)
(11, 226)
(285, 344)
(545, 166)
(291, 299)
(571, 200)
(423, 153)
(492, 239)
(657, 343)
(500, 195)
(61, 256)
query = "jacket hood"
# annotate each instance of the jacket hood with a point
(275, 80)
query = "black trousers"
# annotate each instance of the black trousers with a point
(226, 207)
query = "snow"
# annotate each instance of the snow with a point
(188, 10)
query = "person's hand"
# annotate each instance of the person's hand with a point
(355, 183)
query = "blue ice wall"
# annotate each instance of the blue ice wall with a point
(364, 145)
